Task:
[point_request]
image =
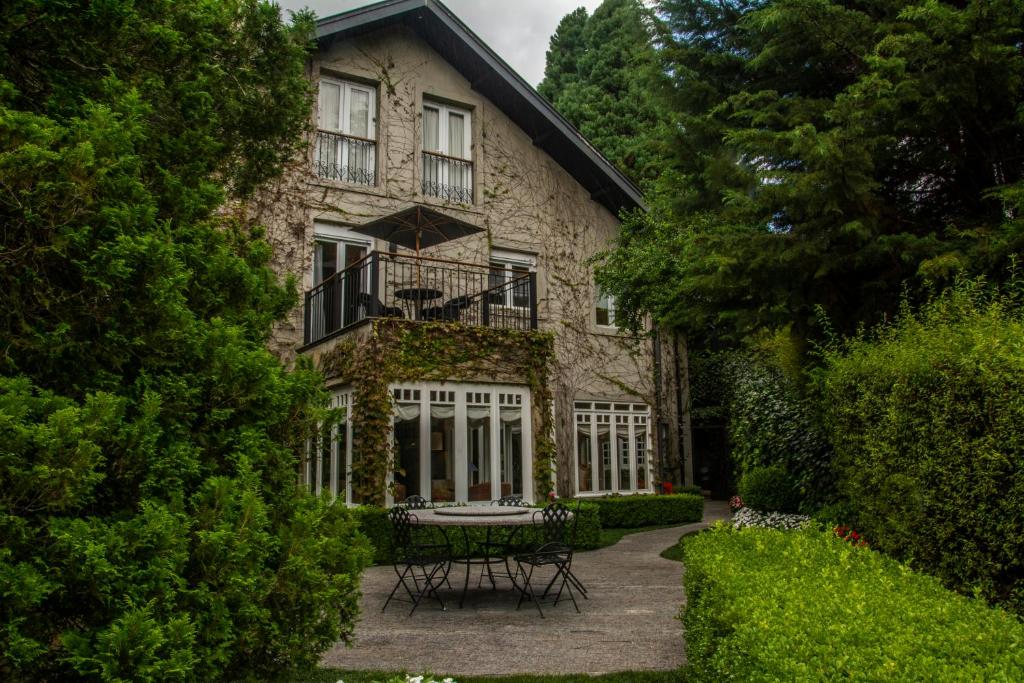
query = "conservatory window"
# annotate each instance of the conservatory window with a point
(611, 447)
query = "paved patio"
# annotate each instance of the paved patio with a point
(628, 624)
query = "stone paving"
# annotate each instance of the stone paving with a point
(629, 623)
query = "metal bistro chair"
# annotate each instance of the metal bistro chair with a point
(501, 548)
(554, 551)
(435, 536)
(417, 565)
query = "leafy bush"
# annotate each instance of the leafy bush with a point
(769, 489)
(765, 605)
(629, 512)
(373, 522)
(927, 418)
(695, 490)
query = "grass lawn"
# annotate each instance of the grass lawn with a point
(613, 536)
(334, 675)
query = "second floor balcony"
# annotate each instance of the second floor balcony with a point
(386, 285)
(347, 158)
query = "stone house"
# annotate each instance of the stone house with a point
(485, 362)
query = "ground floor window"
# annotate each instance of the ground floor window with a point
(462, 442)
(611, 447)
(328, 465)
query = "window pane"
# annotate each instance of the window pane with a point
(604, 450)
(325, 260)
(511, 451)
(407, 451)
(583, 458)
(478, 442)
(456, 135)
(325, 460)
(442, 453)
(359, 113)
(521, 290)
(330, 109)
(622, 448)
(431, 135)
(603, 312)
(641, 461)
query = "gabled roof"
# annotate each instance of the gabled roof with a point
(490, 76)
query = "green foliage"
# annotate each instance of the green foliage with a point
(374, 524)
(150, 521)
(769, 489)
(826, 155)
(927, 418)
(627, 512)
(598, 75)
(400, 352)
(766, 605)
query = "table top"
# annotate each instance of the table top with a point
(419, 293)
(481, 515)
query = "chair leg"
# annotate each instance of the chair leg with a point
(563, 571)
(527, 590)
(401, 582)
(429, 589)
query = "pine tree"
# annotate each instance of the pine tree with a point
(829, 155)
(151, 526)
(599, 76)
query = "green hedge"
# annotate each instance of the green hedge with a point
(766, 605)
(373, 522)
(629, 512)
(769, 489)
(927, 417)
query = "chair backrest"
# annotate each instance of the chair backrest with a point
(554, 521)
(511, 502)
(401, 529)
(415, 502)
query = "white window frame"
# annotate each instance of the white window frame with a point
(638, 424)
(343, 126)
(461, 464)
(311, 475)
(506, 259)
(611, 309)
(441, 171)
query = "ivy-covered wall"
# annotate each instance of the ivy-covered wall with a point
(395, 351)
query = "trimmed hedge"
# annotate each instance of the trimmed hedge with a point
(769, 489)
(629, 512)
(927, 418)
(373, 522)
(766, 605)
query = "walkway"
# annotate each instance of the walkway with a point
(628, 624)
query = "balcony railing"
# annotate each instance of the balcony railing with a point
(446, 177)
(346, 158)
(383, 285)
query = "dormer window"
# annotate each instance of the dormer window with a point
(447, 155)
(346, 145)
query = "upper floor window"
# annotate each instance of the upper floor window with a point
(447, 157)
(605, 309)
(346, 147)
(508, 281)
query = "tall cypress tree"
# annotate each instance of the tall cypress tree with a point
(599, 76)
(151, 526)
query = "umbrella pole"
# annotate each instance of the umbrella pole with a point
(418, 262)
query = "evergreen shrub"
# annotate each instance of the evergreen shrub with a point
(629, 512)
(927, 418)
(769, 489)
(767, 605)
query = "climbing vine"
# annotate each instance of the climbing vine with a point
(398, 351)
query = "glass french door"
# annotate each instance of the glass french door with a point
(340, 303)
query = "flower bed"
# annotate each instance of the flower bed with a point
(748, 517)
(808, 605)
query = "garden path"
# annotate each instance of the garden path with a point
(628, 624)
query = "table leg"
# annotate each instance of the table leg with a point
(469, 564)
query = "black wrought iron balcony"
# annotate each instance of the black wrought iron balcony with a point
(347, 158)
(384, 285)
(446, 177)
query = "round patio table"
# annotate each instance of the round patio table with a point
(418, 296)
(465, 517)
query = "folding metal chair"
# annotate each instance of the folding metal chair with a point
(417, 565)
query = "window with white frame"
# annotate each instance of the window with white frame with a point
(328, 466)
(447, 153)
(340, 279)
(508, 280)
(611, 447)
(462, 442)
(604, 309)
(346, 147)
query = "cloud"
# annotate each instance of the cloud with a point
(518, 30)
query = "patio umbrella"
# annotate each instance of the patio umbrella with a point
(418, 227)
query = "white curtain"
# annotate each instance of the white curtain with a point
(359, 113)
(478, 412)
(330, 106)
(430, 129)
(456, 136)
(442, 412)
(406, 411)
(509, 415)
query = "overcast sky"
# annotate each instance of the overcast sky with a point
(518, 30)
